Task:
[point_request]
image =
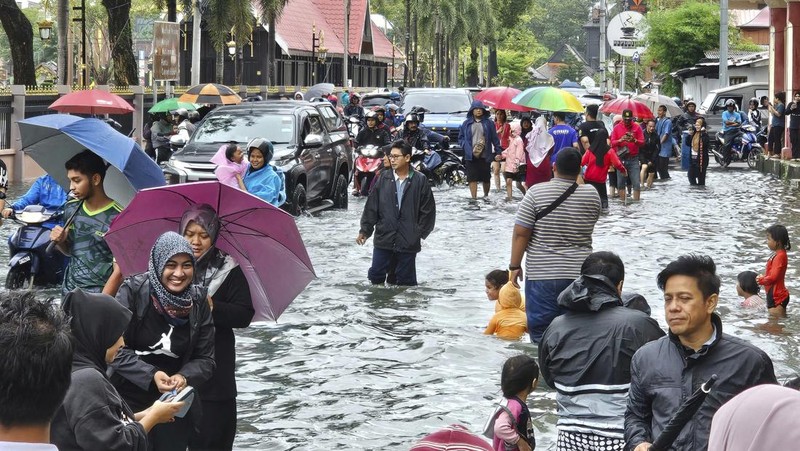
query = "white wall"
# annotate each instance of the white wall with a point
(698, 87)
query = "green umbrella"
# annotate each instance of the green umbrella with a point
(171, 104)
(549, 99)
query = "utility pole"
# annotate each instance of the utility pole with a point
(82, 20)
(346, 59)
(196, 42)
(408, 42)
(723, 44)
(64, 62)
(603, 68)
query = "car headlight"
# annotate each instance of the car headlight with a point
(177, 164)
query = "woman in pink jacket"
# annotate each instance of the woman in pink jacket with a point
(514, 155)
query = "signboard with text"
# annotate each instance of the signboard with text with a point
(166, 43)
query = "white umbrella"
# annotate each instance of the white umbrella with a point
(654, 100)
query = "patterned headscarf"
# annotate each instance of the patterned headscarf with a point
(175, 307)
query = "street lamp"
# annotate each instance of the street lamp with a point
(45, 29)
(231, 48)
(317, 45)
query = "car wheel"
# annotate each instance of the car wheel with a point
(299, 200)
(340, 196)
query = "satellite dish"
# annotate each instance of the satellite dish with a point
(626, 33)
(588, 83)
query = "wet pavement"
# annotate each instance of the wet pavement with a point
(350, 366)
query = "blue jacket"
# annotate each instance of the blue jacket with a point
(664, 127)
(489, 132)
(46, 192)
(269, 184)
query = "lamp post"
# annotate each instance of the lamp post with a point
(45, 25)
(82, 20)
(317, 45)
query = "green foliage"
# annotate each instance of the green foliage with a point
(43, 51)
(554, 23)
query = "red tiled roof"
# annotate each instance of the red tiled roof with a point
(761, 20)
(294, 27)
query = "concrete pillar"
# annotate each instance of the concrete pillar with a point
(18, 114)
(792, 56)
(243, 92)
(777, 40)
(264, 91)
(63, 89)
(138, 112)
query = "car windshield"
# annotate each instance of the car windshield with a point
(455, 102)
(708, 102)
(242, 126)
(374, 101)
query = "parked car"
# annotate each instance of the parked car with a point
(447, 109)
(312, 147)
(714, 103)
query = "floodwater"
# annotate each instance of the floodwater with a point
(350, 366)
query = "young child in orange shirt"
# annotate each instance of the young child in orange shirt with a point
(510, 322)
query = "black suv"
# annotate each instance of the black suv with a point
(312, 147)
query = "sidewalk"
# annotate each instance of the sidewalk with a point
(783, 169)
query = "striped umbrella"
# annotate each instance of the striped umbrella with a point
(212, 94)
(549, 99)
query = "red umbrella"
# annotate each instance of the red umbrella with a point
(617, 106)
(92, 101)
(452, 438)
(500, 97)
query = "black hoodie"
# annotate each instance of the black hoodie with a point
(94, 416)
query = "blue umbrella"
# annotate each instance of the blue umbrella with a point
(53, 139)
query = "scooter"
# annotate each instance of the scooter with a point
(439, 166)
(369, 160)
(30, 263)
(354, 125)
(744, 148)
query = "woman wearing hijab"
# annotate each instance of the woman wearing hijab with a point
(698, 140)
(232, 307)
(597, 161)
(537, 154)
(93, 415)
(169, 343)
(262, 179)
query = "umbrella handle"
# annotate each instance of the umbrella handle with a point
(68, 223)
(709, 383)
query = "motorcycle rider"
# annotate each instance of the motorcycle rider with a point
(382, 122)
(371, 135)
(46, 192)
(185, 126)
(354, 108)
(731, 129)
(160, 131)
(413, 135)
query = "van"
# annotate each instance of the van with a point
(714, 103)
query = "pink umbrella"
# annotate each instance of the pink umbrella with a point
(452, 438)
(92, 101)
(263, 239)
(500, 97)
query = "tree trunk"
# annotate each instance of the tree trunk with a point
(172, 10)
(20, 37)
(472, 69)
(416, 54)
(493, 69)
(271, 60)
(447, 69)
(220, 65)
(121, 43)
(63, 62)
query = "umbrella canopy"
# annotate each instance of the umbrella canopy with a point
(263, 239)
(171, 104)
(212, 94)
(52, 139)
(653, 101)
(549, 99)
(319, 90)
(684, 414)
(617, 106)
(500, 98)
(92, 101)
(452, 438)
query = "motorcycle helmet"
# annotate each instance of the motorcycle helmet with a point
(371, 115)
(394, 95)
(182, 113)
(264, 145)
(412, 117)
(730, 102)
(194, 116)
(754, 101)
(379, 109)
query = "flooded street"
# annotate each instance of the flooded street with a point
(350, 366)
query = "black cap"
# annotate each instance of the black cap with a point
(627, 114)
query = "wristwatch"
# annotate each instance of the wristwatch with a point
(514, 267)
(2, 195)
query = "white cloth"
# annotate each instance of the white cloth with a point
(539, 142)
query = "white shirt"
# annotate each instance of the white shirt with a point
(22, 446)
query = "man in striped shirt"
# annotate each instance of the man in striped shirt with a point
(556, 244)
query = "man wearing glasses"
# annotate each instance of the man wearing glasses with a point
(401, 211)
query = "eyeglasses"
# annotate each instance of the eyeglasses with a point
(394, 157)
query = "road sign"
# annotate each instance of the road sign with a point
(626, 33)
(638, 6)
(166, 42)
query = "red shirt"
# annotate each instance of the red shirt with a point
(503, 133)
(633, 146)
(773, 278)
(598, 174)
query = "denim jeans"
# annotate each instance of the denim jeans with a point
(393, 267)
(633, 166)
(541, 304)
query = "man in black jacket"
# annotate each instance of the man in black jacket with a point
(585, 354)
(667, 371)
(401, 210)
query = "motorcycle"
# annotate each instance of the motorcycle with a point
(30, 263)
(354, 125)
(440, 166)
(745, 147)
(369, 160)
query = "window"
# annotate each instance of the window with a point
(311, 126)
(332, 119)
(720, 105)
(737, 80)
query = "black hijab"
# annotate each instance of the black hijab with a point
(209, 263)
(97, 322)
(599, 146)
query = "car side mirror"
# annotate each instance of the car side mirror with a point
(312, 140)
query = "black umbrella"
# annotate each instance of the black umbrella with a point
(685, 413)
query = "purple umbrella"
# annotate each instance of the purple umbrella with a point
(263, 239)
